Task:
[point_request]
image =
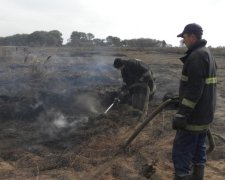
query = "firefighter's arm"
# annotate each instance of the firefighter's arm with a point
(193, 93)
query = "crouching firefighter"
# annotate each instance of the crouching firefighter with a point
(134, 73)
(197, 95)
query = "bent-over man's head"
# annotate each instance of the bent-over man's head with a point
(118, 63)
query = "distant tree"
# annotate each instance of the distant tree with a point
(15, 40)
(143, 42)
(99, 42)
(55, 37)
(113, 41)
(2, 41)
(37, 38)
(77, 38)
(80, 36)
(163, 43)
(210, 46)
(43, 38)
(90, 36)
(81, 39)
(127, 43)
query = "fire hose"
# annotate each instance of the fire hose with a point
(122, 149)
(153, 114)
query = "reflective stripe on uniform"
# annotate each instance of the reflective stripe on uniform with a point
(184, 78)
(188, 103)
(212, 80)
(196, 127)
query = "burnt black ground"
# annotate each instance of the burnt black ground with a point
(52, 126)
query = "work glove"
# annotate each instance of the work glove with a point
(179, 122)
(175, 100)
(124, 88)
(121, 95)
(123, 92)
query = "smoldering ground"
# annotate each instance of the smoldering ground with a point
(51, 127)
(56, 92)
(59, 92)
(54, 123)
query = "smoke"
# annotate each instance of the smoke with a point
(88, 103)
(60, 121)
(61, 89)
(35, 71)
(54, 124)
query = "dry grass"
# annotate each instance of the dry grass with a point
(49, 132)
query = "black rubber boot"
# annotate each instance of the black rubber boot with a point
(198, 172)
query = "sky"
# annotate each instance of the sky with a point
(126, 19)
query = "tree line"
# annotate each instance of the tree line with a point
(54, 38)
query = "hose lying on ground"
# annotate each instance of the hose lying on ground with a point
(121, 150)
(106, 165)
(212, 144)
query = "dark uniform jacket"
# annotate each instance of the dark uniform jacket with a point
(198, 85)
(134, 70)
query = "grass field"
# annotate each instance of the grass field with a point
(52, 127)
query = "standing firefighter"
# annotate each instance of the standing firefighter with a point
(197, 95)
(135, 71)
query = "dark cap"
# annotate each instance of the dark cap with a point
(118, 62)
(192, 29)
